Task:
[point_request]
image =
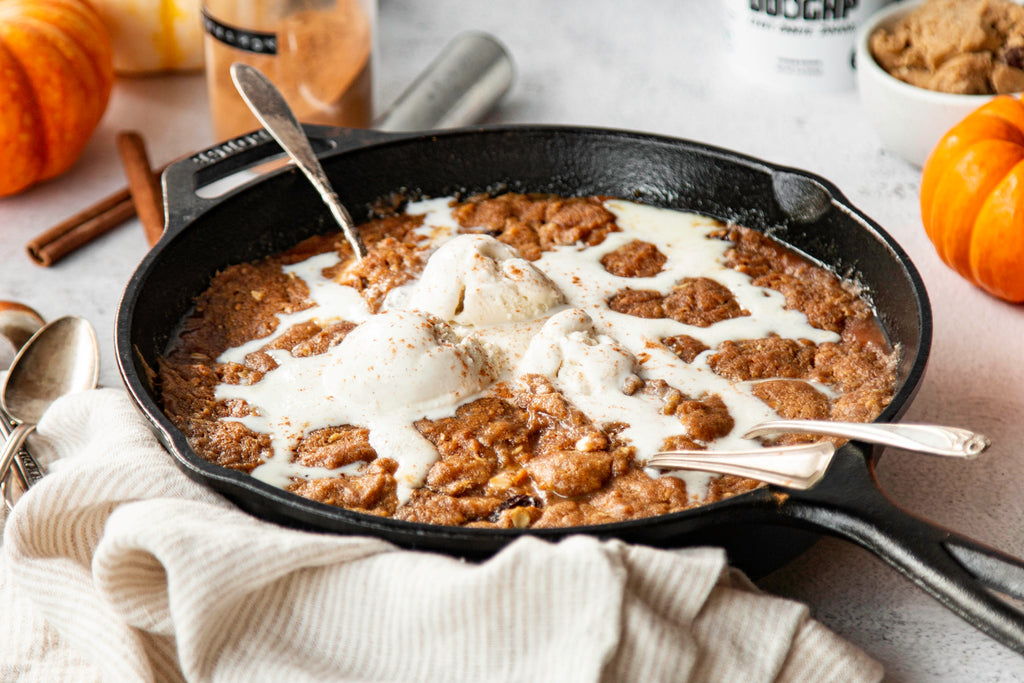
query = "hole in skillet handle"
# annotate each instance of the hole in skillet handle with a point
(195, 184)
(959, 572)
(993, 568)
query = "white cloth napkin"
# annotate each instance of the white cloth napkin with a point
(117, 567)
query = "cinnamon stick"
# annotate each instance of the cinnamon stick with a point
(57, 242)
(81, 228)
(143, 184)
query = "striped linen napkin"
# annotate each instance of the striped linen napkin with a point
(117, 567)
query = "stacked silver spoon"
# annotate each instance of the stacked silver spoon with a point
(60, 358)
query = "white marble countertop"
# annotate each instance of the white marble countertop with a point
(655, 66)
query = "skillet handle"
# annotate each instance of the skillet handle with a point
(183, 178)
(959, 572)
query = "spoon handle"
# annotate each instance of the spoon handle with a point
(269, 106)
(931, 439)
(28, 469)
(797, 467)
(25, 466)
(12, 446)
(6, 427)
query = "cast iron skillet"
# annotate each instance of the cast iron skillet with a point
(761, 529)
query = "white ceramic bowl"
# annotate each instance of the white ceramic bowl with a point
(909, 120)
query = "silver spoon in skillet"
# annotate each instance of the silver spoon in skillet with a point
(950, 442)
(269, 107)
(803, 465)
(61, 358)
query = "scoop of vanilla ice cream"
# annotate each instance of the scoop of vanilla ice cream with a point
(570, 352)
(413, 361)
(477, 280)
(397, 363)
(388, 372)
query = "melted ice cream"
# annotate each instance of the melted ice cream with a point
(480, 314)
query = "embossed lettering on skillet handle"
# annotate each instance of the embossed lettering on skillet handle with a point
(183, 178)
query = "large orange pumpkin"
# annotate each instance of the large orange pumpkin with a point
(972, 198)
(56, 71)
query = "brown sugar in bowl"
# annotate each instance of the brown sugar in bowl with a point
(909, 120)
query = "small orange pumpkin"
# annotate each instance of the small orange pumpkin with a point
(972, 198)
(56, 71)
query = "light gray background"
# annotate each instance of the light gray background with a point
(655, 66)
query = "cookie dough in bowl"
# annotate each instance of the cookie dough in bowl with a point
(964, 47)
(922, 67)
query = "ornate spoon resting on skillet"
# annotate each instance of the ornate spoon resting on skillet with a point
(802, 466)
(270, 108)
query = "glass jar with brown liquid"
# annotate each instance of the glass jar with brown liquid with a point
(318, 53)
